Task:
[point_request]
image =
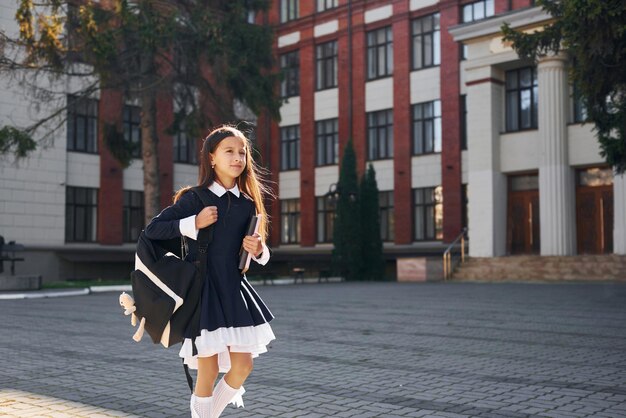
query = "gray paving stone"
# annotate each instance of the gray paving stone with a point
(345, 350)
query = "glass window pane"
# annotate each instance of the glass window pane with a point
(417, 52)
(438, 136)
(511, 80)
(419, 223)
(80, 134)
(525, 105)
(490, 9)
(371, 63)
(525, 77)
(479, 10)
(436, 49)
(428, 49)
(437, 108)
(427, 24)
(467, 13)
(418, 138)
(430, 223)
(512, 110)
(371, 144)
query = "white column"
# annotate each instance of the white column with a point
(557, 205)
(486, 184)
(619, 218)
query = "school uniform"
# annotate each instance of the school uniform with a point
(232, 315)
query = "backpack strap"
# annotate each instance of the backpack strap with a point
(205, 236)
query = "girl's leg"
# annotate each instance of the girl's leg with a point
(207, 374)
(201, 402)
(240, 368)
(229, 389)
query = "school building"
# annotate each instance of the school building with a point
(460, 130)
(461, 133)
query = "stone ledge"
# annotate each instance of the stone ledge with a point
(20, 282)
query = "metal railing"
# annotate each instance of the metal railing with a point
(452, 258)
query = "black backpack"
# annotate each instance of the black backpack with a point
(166, 288)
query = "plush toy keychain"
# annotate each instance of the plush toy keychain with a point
(128, 303)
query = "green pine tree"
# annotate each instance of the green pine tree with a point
(347, 259)
(372, 244)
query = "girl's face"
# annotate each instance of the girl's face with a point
(229, 158)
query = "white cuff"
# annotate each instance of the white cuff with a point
(187, 227)
(265, 256)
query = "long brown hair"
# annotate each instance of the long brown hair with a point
(250, 181)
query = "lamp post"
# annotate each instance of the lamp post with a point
(335, 192)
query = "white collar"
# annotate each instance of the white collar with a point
(219, 190)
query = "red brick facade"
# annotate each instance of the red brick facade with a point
(110, 194)
(401, 119)
(450, 121)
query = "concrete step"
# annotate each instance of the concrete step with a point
(532, 267)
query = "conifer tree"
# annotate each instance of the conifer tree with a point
(593, 34)
(205, 54)
(347, 259)
(372, 244)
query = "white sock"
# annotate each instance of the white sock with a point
(201, 406)
(223, 394)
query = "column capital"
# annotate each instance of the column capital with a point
(552, 60)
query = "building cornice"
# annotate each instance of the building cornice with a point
(490, 26)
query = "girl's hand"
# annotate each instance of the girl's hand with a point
(206, 217)
(253, 244)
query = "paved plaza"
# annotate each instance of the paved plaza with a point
(344, 350)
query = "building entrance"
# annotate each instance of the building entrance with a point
(523, 215)
(594, 211)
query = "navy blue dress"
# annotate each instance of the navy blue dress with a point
(233, 316)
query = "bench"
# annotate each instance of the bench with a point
(7, 253)
(298, 274)
(324, 275)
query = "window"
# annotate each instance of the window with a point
(463, 115)
(326, 64)
(428, 213)
(326, 4)
(133, 215)
(379, 53)
(132, 128)
(426, 42)
(290, 221)
(427, 127)
(478, 10)
(325, 219)
(81, 209)
(290, 65)
(184, 147)
(327, 139)
(82, 124)
(380, 135)
(580, 110)
(290, 147)
(250, 17)
(521, 99)
(289, 10)
(593, 177)
(385, 210)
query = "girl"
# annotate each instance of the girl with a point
(234, 321)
